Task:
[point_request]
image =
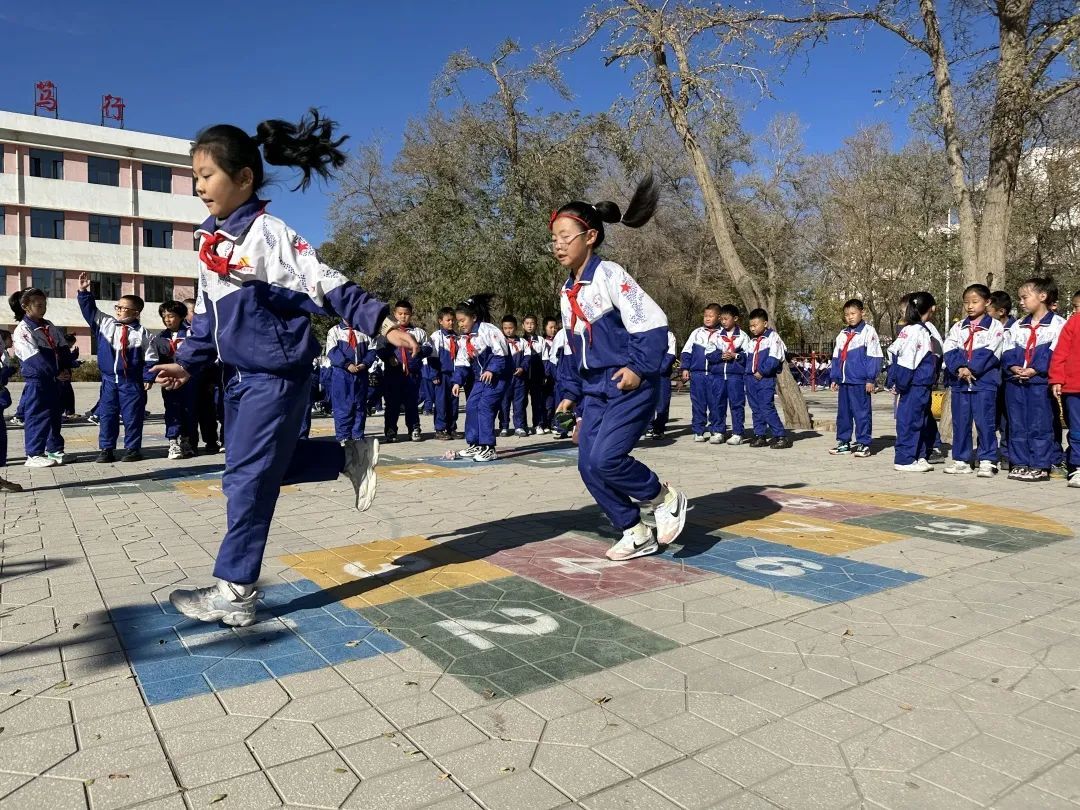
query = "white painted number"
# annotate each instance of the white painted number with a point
(406, 563)
(583, 565)
(779, 566)
(804, 503)
(939, 506)
(468, 629)
(952, 529)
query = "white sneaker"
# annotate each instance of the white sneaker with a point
(1074, 479)
(361, 457)
(987, 469)
(469, 451)
(925, 464)
(670, 515)
(521, 433)
(716, 438)
(58, 458)
(636, 541)
(485, 453)
(40, 461)
(221, 602)
(735, 439)
(957, 468)
(701, 437)
(174, 449)
(915, 466)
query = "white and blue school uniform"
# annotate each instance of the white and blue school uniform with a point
(1002, 407)
(559, 352)
(914, 362)
(7, 371)
(346, 346)
(516, 385)
(67, 391)
(663, 404)
(732, 389)
(426, 398)
(612, 323)
(701, 357)
(547, 347)
(1029, 344)
(258, 284)
(43, 353)
(484, 348)
(125, 353)
(765, 356)
(535, 379)
(402, 376)
(977, 346)
(856, 361)
(444, 347)
(179, 402)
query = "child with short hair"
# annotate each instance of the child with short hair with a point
(1027, 358)
(732, 385)
(1064, 380)
(402, 376)
(1000, 309)
(482, 368)
(534, 375)
(856, 363)
(914, 361)
(124, 348)
(44, 360)
(551, 329)
(559, 352)
(349, 354)
(179, 403)
(764, 363)
(972, 358)
(444, 344)
(515, 392)
(663, 405)
(7, 369)
(701, 364)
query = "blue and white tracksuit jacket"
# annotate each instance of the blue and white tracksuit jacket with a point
(43, 353)
(7, 370)
(346, 346)
(975, 345)
(701, 357)
(557, 352)
(482, 349)
(179, 403)
(612, 323)
(125, 353)
(1030, 343)
(765, 355)
(663, 403)
(402, 380)
(536, 380)
(516, 384)
(856, 361)
(444, 347)
(258, 283)
(914, 363)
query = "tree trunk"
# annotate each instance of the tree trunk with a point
(796, 414)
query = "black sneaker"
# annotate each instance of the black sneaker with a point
(390, 436)
(415, 435)
(781, 443)
(442, 434)
(841, 449)
(105, 457)
(212, 448)
(1037, 475)
(860, 450)
(657, 435)
(133, 455)
(936, 456)
(649, 434)
(759, 441)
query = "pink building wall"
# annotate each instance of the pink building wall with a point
(76, 226)
(183, 288)
(71, 284)
(181, 182)
(183, 236)
(126, 169)
(7, 158)
(11, 220)
(128, 228)
(75, 167)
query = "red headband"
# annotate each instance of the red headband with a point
(555, 215)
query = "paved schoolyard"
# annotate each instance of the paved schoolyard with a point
(827, 633)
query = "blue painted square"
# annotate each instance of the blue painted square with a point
(792, 570)
(175, 657)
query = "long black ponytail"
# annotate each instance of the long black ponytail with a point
(308, 145)
(918, 304)
(593, 215)
(477, 306)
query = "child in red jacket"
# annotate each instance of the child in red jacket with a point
(1064, 380)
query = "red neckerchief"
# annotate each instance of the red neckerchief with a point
(124, 344)
(729, 340)
(850, 334)
(211, 260)
(969, 344)
(451, 346)
(48, 338)
(174, 343)
(470, 350)
(576, 311)
(404, 354)
(352, 339)
(757, 347)
(1032, 341)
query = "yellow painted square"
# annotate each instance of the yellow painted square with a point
(388, 570)
(812, 534)
(945, 508)
(415, 472)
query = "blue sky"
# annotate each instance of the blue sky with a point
(369, 65)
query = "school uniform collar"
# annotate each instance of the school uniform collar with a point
(35, 324)
(1044, 321)
(447, 332)
(981, 323)
(237, 223)
(856, 328)
(734, 331)
(587, 272)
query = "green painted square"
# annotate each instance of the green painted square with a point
(512, 636)
(988, 536)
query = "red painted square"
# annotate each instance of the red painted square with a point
(792, 503)
(577, 567)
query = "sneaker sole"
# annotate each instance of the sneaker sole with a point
(651, 548)
(670, 535)
(231, 618)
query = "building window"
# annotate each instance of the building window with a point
(106, 286)
(157, 288)
(46, 163)
(51, 282)
(46, 224)
(156, 178)
(103, 171)
(157, 234)
(1, 220)
(105, 229)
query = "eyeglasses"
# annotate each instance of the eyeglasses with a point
(119, 308)
(557, 243)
